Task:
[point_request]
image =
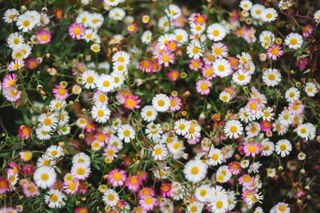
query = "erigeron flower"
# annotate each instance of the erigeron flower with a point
(316, 16)
(161, 102)
(271, 77)
(105, 83)
(256, 11)
(283, 147)
(223, 174)
(219, 50)
(266, 38)
(81, 171)
(146, 37)
(203, 87)
(233, 129)
(54, 151)
(117, 177)
(15, 40)
(148, 113)
(311, 89)
(100, 113)
(219, 203)
(245, 4)
(10, 15)
(181, 36)
(215, 157)
(293, 41)
(159, 152)
(110, 197)
(195, 207)
(95, 21)
(216, 32)
(194, 50)
(44, 177)
(241, 78)
(126, 133)
(269, 15)
(222, 67)
(202, 193)
(292, 94)
(153, 131)
(55, 199)
(280, 207)
(195, 171)
(28, 20)
(306, 131)
(173, 11)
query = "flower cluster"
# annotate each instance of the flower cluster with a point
(114, 106)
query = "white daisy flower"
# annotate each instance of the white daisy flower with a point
(216, 32)
(176, 148)
(223, 174)
(195, 171)
(316, 16)
(81, 171)
(110, 197)
(219, 50)
(181, 36)
(21, 52)
(10, 15)
(266, 38)
(181, 126)
(215, 157)
(225, 96)
(126, 133)
(164, 23)
(15, 39)
(271, 77)
(293, 41)
(46, 161)
(267, 114)
(44, 177)
(120, 68)
(54, 151)
(148, 113)
(292, 94)
(153, 132)
(117, 14)
(48, 122)
(28, 21)
(256, 11)
(241, 78)
(96, 21)
(146, 37)
(222, 67)
(173, 11)
(89, 77)
(55, 199)
(269, 15)
(194, 50)
(89, 35)
(311, 89)
(105, 83)
(253, 129)
(161, 102)
(283, 147)
(83, 18)
(306, 131)
(245, 5)
(195, 207)
(81, 158)
(233, 129)
(121, 57)
(100, 113)
(118, 79)
(159, 152)
(111, 3)
(267, 147)
(203, 193)
(219, 203)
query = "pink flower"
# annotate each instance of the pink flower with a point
(102, 137)
(234, 167)
(274, 52)
(145, 66)
(44, 37)
(203, 87)
(173, 75)
(195, 64)
(71, 187)
(146, 192)
(4, 185)
(11, 94)
(207, 72)
(9, 81)
(166, 58)
(165, 189)
(302, 63)
(266, 126)
(76, 31)
(24, 132)
(246, 181)
(30, 190)
(198, 18)
(132, 102)
(28, 169)
(117, 177)
(307, 31)
(253, 106)
(180, 21)
(133, 183)
(32, 63)
(83, 209)
(251, 149)
(60, 92)
(148, 203)
(175, 103)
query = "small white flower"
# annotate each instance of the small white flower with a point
(283, 147)
(293, 41)
(292, 94)
(233, 129)
(149, 113)
(222, 67)
(159, 152)
(55, 198)
(100, 113)
(271, 77)
(216, 32)
(126, 133)
(161, 102)
(44, 177)
(110, 197)
(269, 15)
(195, 171)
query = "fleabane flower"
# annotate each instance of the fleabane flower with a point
(195, 171)
(283, 147)
(233, 129)
(161, 102)
(293, 41)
